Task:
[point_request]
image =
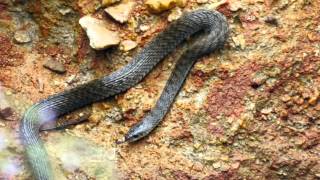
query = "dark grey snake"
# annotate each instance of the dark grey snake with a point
(209, 29)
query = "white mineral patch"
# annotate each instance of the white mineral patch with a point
(9, 168)
(70, 161)
(72, 153)
(99, 35)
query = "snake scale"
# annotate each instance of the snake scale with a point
(209, 30)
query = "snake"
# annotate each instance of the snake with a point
(202, 30)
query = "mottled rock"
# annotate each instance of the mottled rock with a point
(55, 66)
(115, 114)
(22, 36)
(259, 79)
(99, 35)
(239, 41)
(121, 11)
(108, 2)
(158, 6)
(127, 45)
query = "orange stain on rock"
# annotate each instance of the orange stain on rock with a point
(227, 97)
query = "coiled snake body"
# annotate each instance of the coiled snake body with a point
(210, 30)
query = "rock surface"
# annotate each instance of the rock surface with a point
(99, 35)
(121, 11)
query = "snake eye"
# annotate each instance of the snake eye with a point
(135, 136)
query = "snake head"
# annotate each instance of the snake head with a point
(137, 132)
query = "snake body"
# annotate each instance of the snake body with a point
(209, 29)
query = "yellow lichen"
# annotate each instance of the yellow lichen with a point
(158, 6)
(108, 2)
(89, 6)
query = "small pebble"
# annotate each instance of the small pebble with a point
(175, 14)
(271, 20)
(65, 11)
(128, 45)
(298, 100)
(259, 79)
(266, 110)
(197, 145)
(144, 27)
(40, 85)
(286, 98)
(314, 98)
(216, 165)
(95, 118)
(22, 37)
(239, 41)
(284, 114)
(54, 66)
(114, 115)
(99, 35)
(71, 79)
(8, 93)
(121, 11)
